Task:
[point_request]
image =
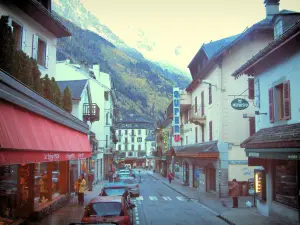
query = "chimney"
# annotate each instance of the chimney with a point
(96, 68)
(84, 67)
(272, 8)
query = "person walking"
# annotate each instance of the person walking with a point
(234, 192)
(170, 177)
(81, 189)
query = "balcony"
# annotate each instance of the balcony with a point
(91, 112)
(196, 116)
(185, 100)
(184, 129)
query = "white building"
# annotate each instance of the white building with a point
(33, 36)
(131, 132)
(276, 144)
(102, 95)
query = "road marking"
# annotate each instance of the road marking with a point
(167, 198)
(212, 211)
(140, 198)
(152, 198)
(180, 198)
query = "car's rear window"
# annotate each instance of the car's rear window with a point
(106, 209)
(128, 181)
(114, 191)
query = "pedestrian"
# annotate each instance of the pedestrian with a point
(82, 184)
(170, 177)
(234, 192)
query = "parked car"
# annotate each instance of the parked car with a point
(115, 189)
(109, 209)
(132, 184)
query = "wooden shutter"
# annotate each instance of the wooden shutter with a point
(286, 100)
(202, 103)
(210, 131)
(251, 88)
(196, 105)
(251, 126)
(47, 55)
(23, 44)
(196, 134)
(271, 105)
(202, 132)
(209, 95)
(35, 42)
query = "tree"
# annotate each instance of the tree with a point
(67, 100)
(7, 46)
(56, 92)
(47, 88)
(36, 76)
(22, 69)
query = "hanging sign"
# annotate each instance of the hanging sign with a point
(239, 104)
(176, 114)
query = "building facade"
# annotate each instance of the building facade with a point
(275, 145)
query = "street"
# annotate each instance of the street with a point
(157, 205)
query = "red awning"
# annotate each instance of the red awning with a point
(26, 137)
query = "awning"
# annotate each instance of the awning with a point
(274, 153)
(26, 137)
(199, 150)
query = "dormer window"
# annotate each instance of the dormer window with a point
(278, 29)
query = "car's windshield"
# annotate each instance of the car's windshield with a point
(105, 209)
(114, 191)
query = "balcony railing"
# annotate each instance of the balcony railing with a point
(91, 112)
(197, 115)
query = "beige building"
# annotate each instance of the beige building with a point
(212, 130)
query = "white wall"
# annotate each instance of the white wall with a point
(31, 28)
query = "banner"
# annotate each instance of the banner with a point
(176, 114)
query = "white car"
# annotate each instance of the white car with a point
(132, 184)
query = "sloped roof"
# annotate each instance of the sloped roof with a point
(76, 87)
(198, 148)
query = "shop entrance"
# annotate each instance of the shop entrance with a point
(210, 178)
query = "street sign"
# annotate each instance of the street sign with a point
(176, 114)
(239, 104)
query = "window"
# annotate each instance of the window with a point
(120, 132)
(186, 140)
(18, 35)
(119, 147)
(286, 189)
(129, 153)
(126, 132)
(202, 132)
(132, 139)
(139, 139)
(132, 147)
(251, 88)
(279, 102)
(209, 94)
(106, 141)
(126, 140)
(132, 132)
(196, 134)
(139, 132)
(126, 147)
(140, 147)
(107, 118)
(186, 119)
(202, 103)
(251, 126)
(210, 131)
(106, 95)
(40, 51)
(196, 106)
(41, 184)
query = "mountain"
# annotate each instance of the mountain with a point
(141, 86)
(74, 11)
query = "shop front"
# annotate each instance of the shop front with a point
(277, 182)
(39, 145)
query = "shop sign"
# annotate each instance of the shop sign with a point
(239, 104)
(176, 114)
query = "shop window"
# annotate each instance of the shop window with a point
(286, 187)
(41, 187)
(55, 180)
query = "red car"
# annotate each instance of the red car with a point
(109, 209)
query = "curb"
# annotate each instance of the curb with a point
(219, 216)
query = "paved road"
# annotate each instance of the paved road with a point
(160, 205)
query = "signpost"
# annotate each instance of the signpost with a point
(176, 114)
(239, 104)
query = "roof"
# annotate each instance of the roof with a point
(107, 199)
(198, 148)
(76, 87)
(275, 137)
(270, 48)
(114, 184)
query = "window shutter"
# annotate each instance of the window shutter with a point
(251, 88)
(202, 103)
(196, 105)
(202, 131)
(286, 100)
(251, 126)
(209, 95)
(23, 44)
(271, 105)
(196, 134)
(47, 56)
(35, 42)
(210, 131)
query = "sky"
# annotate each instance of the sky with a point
(178, 26)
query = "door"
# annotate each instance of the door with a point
(212, 179)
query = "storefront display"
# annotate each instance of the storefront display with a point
(260, 184)
(196, 176)
(55, 180)
(286, 187)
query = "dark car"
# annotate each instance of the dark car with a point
(109, 209)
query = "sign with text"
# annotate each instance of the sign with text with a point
(239, 104)
(176, 114)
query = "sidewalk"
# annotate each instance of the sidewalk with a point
(72, 211)
(221, 206)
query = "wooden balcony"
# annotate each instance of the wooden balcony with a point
(185, 100)
(91, 112)
(197, 116)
